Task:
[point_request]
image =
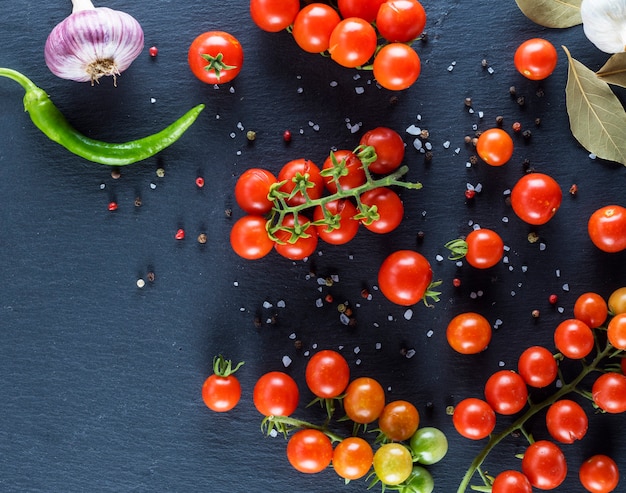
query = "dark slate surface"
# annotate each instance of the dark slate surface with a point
(100, 381)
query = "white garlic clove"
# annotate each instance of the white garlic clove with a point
(604, 24)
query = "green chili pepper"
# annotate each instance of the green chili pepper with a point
(47, 117)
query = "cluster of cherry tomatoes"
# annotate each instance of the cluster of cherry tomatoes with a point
(506, 393)
(374, 34)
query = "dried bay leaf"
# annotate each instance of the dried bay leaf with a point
(552, 13)
(597, 117)
(614, 70)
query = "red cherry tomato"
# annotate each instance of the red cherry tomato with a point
(309, 451)
(535, 58)
(249, 239)
(566, 421)
(607, 228)
(388, 206)
(473, 418)
(303, 246)
(365, 9)
(573, 338)
(506, 392)
(599, 474)
(544, 465)
(352, 174)
(389, 148)
(405, 277)
(251, 191)
(276, 394)
(221, 391)
(468, 333)
(313, 25)
(215, 57)
(535, 198)
(591, 308)
(609, 392)
(399, 420)
(400, 20)
(274, 15)
(511, 482)
(347, 228)
(364, 400)
(494, 146)
(352, 458)
(616, 331)
(302, 171)
(485, 248)
(352, 42)
(537, 366)
(327, 374)
(396, 66)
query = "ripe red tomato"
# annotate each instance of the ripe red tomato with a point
(544, 465)
(249, 239)
(364, 400)
(274, 15)
(399, 420)
(617, 301)
(599, 474)
(352, 42)
(566, 421)
(396, 66)
(276, 394)
(468, 333)
(573, 338)
(302, 247)
(313, 25)
(535, 58)
(494, 146)
(389, 148)
(352, 458)
(485, 248)
(347, 228)
(506, 392)
(473, 418)
(221, 391)
(400, 21)
(537, 366)
(309, 451)
(365, 9)
(388, 206)
(251, 191)
(609, 392)
(350, 167)
(511, 481)
(404, 277)
(616, 331)
(301, 174)
(535, 198)
(607, 228)
(591, 308)
(215, 57)
(327, 374)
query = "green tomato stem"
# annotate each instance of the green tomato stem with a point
(289, 424)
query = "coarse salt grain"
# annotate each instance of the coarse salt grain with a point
(357, 350)
(439, 258)
(565, 287)
(429, 333)
(500, 363)
(152, 100)
(319, 303)
(359, 90)
(286, 361)
(408, 315)
(557, 273)
(141, 283)
(413, 130)
(542, 246)
(333, 83)
(417, 143)
(410, 353)
(358, 362)
(281, 304)
(446, 144)
(292, 335)
(490, 70)
(378, 345)
(267, 304)
(235, 283)
(344, 319)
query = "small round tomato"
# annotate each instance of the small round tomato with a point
(215, 57)
(365, 9)
(404, 277)
(352, 458)
(506, 392)
(276, 394)
(396, 66)
(566, 421)
(221, 391)
(468, 333)
(591, 308)
(485, 248)
(573, 338)
(364, 400)
(301, 175)
(617, 301)
(420, 481)
(511, 481)
(609, 392)
(473, 418)
(494, 146)
(535, 58)
(616, 331)
(274, 15)
(535, 198)
(309, 451)
(599, 474)
(352, 42)
(389, 209)
(389, 148)
(537, 366)
(349, 169)
(249, 239)
(313, 25)
(393, 463)
(399, 420)
(544, 465)
(429, 445)
(251, 191)
(400, 21)
(607, 228)
(303, 246)
(327, 374)
(347, 227)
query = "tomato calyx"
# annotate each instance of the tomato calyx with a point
(216, 64)
(458, 249)
(286, 425)
(223, 367)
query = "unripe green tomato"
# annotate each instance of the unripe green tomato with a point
(429, 445)
(420, 481)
